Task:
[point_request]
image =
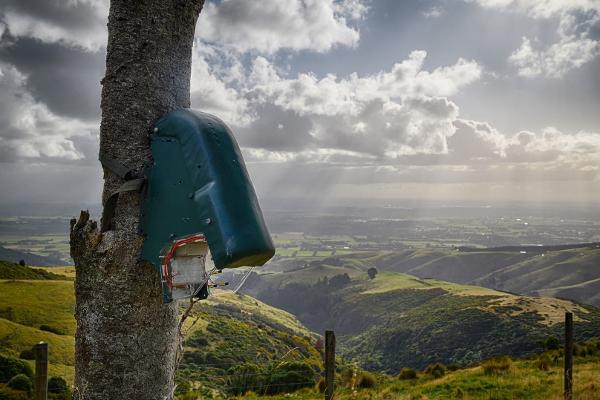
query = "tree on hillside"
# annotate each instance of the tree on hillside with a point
(372, 272)
(126, 337)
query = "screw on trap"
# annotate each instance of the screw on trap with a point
(199, 210)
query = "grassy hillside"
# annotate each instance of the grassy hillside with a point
(14, 255)
(10, 270)
(587, 291)
(571, 273)
(537, 378)
(37, 303)
(230, 331)
(237, 344)
(28, 305)
(398, 320)
(225, 331)
(553, 271)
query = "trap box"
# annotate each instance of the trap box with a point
(199, 197)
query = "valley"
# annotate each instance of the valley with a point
(455, 288)
(236, 343)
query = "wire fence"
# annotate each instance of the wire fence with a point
(287, 373)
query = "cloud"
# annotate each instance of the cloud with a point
(579, 151)
(578, 39)
(78, 23)
(66, 79)
(539, 8)
(387, 114)
(270, 25)
(433, 12)
(557, 60)
(476, 143)
(547, 166)
(29, 129)
(300, 132)
(215, 71)
(476, 140)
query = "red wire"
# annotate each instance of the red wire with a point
(171, 253)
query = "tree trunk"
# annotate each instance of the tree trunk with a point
(126, 338)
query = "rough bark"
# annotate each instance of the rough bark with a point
(126, 337)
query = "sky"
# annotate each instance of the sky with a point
(332, 100)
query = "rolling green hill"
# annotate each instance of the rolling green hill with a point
(569, 273)
(232, 331)
(225, 331)
(398, 320)
(557, 273)
(395, 320)
(28, 305)
(10, 270)
(30, 258)
(536, 378)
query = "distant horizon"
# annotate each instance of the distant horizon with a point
(308, 205)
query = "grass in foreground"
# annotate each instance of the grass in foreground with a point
(523, 380)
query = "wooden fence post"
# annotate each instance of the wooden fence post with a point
(568, 356)
(329, 364)
(41, 371)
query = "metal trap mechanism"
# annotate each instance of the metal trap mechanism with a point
(184, 268)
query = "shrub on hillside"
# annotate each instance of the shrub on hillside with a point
(592, 347)
(544, 362)
(52, 329)
(453, 367)
(583, 350)
(366, 380)
(27, 354)
(372, 272)
(245, 377)
(182, 387)
(496, 365)
(347, 376)
(290, 376)
(407, 373)
(10, 367)
(552, 343)
(7, 393)
(339, 281)
(58, 385)
(272, 379)
(436, 370)
(7, 313)
(197, 341)
(189, 396)
(20, 382)
(322, 385)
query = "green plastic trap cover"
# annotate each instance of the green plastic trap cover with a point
(199, 184)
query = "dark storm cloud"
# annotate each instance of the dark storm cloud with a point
(77, 23)
(68, 14)
(66, 79)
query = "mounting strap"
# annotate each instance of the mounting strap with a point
(132, 183)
